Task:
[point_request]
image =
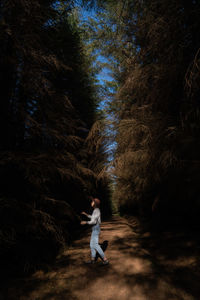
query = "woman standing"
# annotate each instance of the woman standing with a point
(95, 221)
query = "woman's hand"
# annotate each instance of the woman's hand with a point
(83, 222)
(84, 213)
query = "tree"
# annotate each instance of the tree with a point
(155, 48)
(48, 109)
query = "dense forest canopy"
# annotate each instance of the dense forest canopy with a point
(63, 131)
(153, 52)
(52, 136)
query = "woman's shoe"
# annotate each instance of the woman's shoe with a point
(92, 261)
(105, 262)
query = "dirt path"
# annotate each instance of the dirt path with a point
(142, 267)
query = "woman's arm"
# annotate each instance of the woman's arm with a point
(84, 213)
(94, 217)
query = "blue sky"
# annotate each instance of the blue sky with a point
(103, 76)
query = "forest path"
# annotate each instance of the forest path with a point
(142, 267)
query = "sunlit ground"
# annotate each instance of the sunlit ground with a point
(141, 267)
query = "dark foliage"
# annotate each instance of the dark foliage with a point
(153, 52)
(48, 109)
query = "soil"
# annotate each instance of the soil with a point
(143, 266)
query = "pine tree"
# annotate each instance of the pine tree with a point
(155, 48)
(48, 110)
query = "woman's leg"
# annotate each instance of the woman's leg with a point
(94, 245)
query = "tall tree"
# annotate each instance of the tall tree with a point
(155, 47)
(48, 110)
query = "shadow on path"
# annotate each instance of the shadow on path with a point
(142, 267)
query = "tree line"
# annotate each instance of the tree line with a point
(55, 139)
(52, 135)
(152, 48)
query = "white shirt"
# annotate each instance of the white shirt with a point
(95, 218)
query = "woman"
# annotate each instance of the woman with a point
(95, 221)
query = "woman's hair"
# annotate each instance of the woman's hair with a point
(97, 202)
